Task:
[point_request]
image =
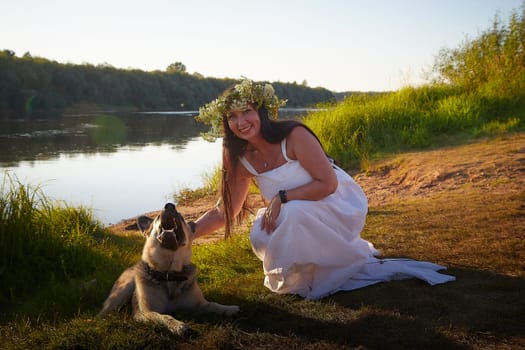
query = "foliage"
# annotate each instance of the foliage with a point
(36, 86)
(210, 187)
(177, 67)
(492, 64)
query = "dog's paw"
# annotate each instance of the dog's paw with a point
(175, 326)
(178, 328)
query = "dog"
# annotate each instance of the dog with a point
(164, 280)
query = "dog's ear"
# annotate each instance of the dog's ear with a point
(143, 223)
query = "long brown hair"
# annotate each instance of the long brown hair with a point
(233, 147)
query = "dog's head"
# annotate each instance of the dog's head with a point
(169, 228)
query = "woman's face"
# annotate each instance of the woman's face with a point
(244, 123)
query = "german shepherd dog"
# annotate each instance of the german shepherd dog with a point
(165, 279)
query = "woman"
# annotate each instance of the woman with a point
(308, 237)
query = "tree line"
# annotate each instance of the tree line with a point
(36, 86)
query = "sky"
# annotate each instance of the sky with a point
(341, 45)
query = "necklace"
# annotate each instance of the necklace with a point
(255, 151)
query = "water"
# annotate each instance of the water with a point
(125, 183)
(120, 165)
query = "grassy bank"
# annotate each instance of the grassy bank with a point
(363, 126)
(49, 253)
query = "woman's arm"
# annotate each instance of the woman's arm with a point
(304, 147)
(213, 219)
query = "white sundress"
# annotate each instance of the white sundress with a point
(316, 249)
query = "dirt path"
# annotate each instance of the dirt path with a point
(495, 165)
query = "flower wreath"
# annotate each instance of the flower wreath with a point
(237, 98)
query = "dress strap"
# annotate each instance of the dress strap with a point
(248, 166)
(283, 150)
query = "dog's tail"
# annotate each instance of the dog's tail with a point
(121, 292)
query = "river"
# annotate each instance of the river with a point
(118, 164)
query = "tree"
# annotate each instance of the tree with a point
(494, 62)
(8, 53)
(177, 67)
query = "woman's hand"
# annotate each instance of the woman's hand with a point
(271, 214)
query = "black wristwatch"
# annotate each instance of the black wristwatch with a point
(282, 196)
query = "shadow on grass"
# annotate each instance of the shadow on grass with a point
(371, 329)
(478, 301)
(484, 307)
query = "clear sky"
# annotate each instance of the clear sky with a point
(341, 45)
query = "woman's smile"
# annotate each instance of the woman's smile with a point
(245, 129)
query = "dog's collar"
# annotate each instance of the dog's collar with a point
(187, 272)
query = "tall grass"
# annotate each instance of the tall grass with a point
(42, 241)
(413, 117)
(211, 184)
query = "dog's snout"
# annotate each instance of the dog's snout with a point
(168, 239)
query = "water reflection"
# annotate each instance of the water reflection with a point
(46, 139)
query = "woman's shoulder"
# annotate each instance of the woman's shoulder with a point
(302, 141)
(300, 136)
(300, 131)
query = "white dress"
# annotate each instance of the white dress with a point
(316, 248)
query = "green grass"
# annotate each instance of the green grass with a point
(211, 185)
(50, 253)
